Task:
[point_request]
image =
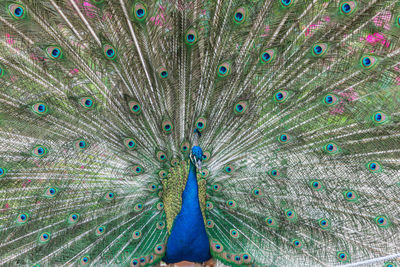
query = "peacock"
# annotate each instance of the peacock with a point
(228, 132)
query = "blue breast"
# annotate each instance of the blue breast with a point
(188, 240)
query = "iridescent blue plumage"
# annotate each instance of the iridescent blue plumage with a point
(188, 240)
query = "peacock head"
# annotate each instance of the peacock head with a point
(196, 155)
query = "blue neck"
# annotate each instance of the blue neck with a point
(188, 240)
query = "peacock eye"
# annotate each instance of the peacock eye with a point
(348, 7)
(3, 172)
(379, 117)
(167, 127)
(110, 52)
(319, 50)
(286, 3)
(330, 100)
(368, 62)
(342, 256)
(281, 96)
(40, 108)
(224, 69)
(284, 138)
(191, 37)
(140, 12)
(137, 234)
(17, 11)
(240, 15)
(39, 151)
(374, 166)
(130, 143)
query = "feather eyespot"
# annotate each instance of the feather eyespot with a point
(87, 102)
(204, 173)
(159, 249)
(246, 258)
(271, 222)
(350, 196)
(382, 221)
(274, 173)
(130, 143)
(185, 147)
(135, 107)
(40, 108)
(191, 37)
(2, 71)
(224, 69)
(286, 3)
(316, 185)
(160, 225)
(51, 192)
(54, 52)
(100, 230)
(152, 187)
(206, 156)
(297, 243)
(167, 126)
(318, 50)
(240, 108)
(85, 260)
(162, 174)
(216, 187)
(80, 144)
(342, 256)
(348, 7)
(331, 148)
(135, 262)
(22, 218)
(44, 237)
(140, 11)
(390, 264)
(374, 166)
(324, 223)
(73, 218)
(209, 205)
(257, 192)
(284, 138)
(201, 124)
(379, 117)
(210, 224)
(174, 162)
(228, 169)
(368, 62)
(281, 96)
(234, 233)
(109, 52)
(291, 215)
(3, 172)
(137, 234)
(163, 73)
(17, 11)
(138, 207)
(330, 100)
(160, 206)
(109, 196)
(161, 156)
(217, 247)
(137, 169)
(39, 151)
(240, 15)
(267, 56)
(231, 204)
